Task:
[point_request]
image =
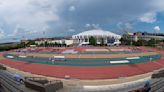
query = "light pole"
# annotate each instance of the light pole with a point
(157, 30)
(24, 43)
(44, 38)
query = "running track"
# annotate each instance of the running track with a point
(107, 72)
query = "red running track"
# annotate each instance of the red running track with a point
(102, 72)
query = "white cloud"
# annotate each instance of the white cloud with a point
(125, 27)
(128, 26)
(24, 30)
(71, 30)
(87, 25)
(1, 33)
(157, 29)
(149, 17)
(94, 26)
(31, 17)
(28, 16)
(156, 6)
(72, 8)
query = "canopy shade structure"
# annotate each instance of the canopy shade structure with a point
(99, 34)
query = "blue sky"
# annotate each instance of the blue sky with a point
(20, 19)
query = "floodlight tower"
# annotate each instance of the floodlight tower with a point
(157, 30)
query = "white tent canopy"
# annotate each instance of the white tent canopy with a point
(108, 37)
(98, 33)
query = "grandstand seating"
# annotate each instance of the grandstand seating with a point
(157, 85)
(42, 84)
(2, 67)
(159, 74)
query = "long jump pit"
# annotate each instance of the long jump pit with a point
(93, 64)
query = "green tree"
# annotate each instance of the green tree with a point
(162, 40)
(139, 43)
(31, 42)
(125, 41)
(92, 41)
(151, 42)
(46, 44)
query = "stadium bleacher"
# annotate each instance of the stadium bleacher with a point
(157, 85)
(9, 84)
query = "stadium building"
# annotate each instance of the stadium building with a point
(101, 36)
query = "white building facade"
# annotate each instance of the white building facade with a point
(106, 37)
(68, 42)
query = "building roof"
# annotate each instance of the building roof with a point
(97, 32)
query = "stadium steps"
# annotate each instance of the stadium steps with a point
(158, 86)
(10, 85)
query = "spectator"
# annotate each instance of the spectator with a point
(147, 87)
(18, 78)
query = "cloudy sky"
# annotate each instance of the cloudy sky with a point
(20, 19)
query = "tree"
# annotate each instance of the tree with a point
(151, 42)
(30, 42)
(92, 41)
(46, 44)
(125, 41)
(162, 40)
(122, 40)
(138, 43)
